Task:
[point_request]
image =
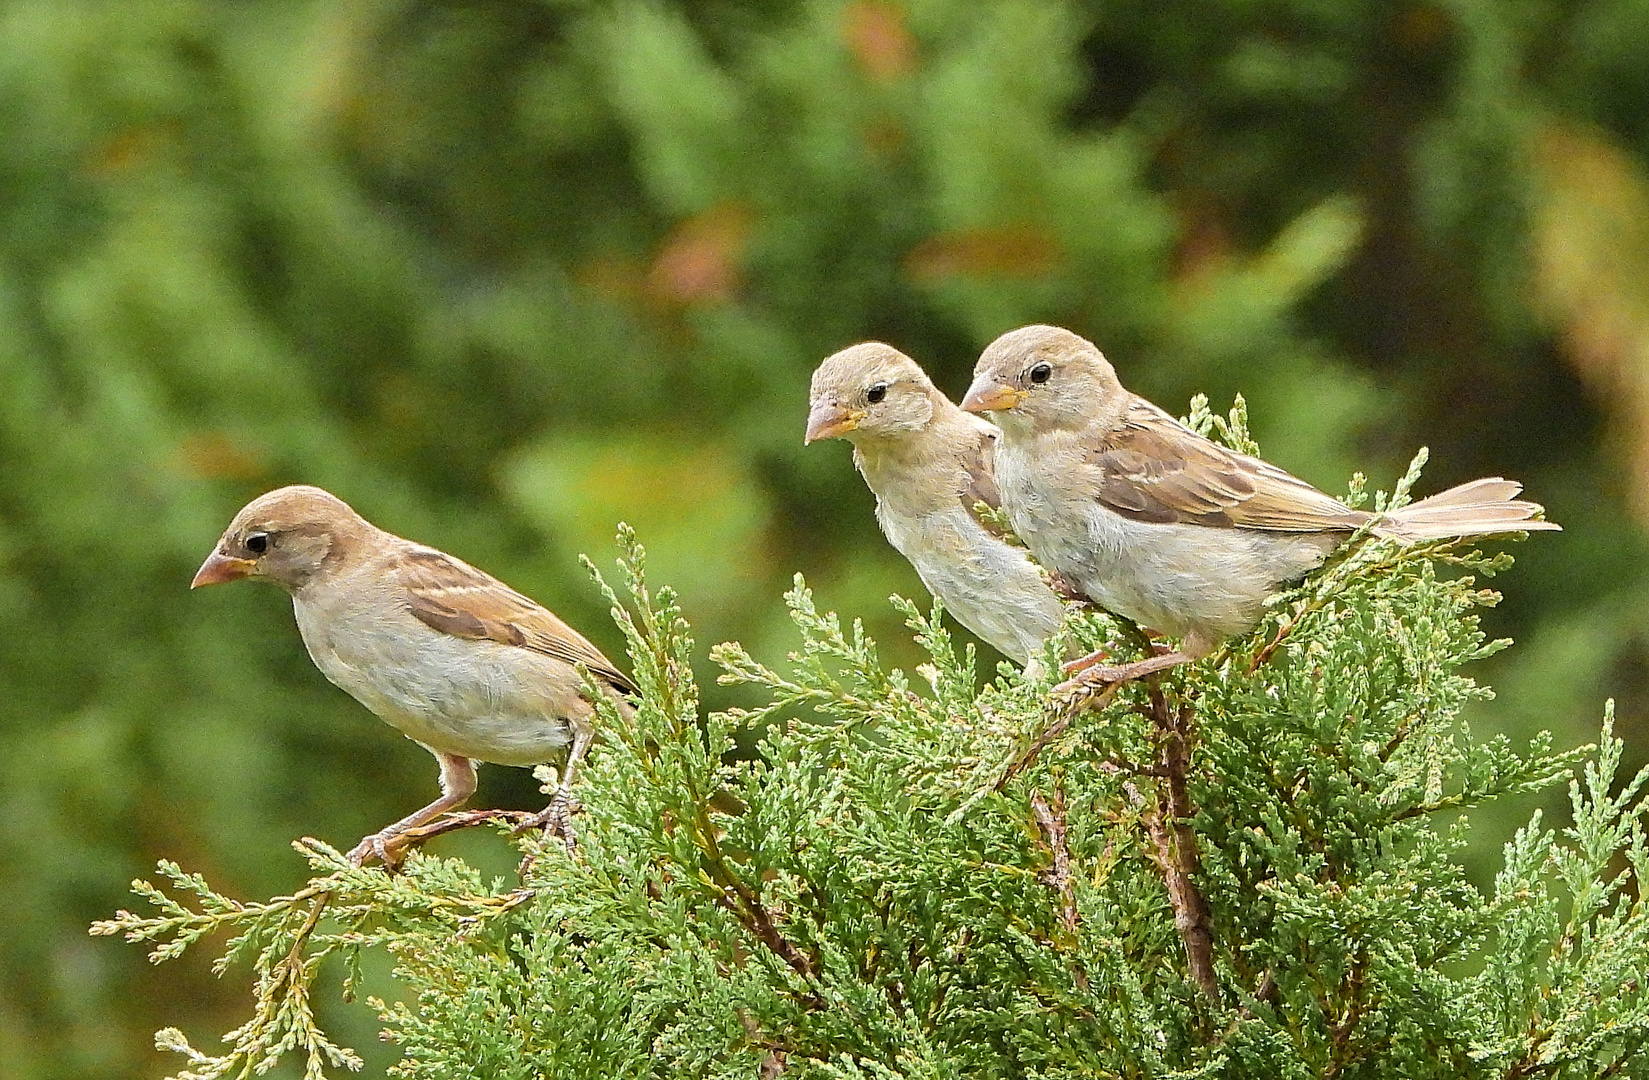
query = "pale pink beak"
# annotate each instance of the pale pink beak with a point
(988, 395)
(219, 568)
(828, 420)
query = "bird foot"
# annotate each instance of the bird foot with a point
(1093, 675)
(388, 847)
(556, 819)
(1099, 655)
(397, 840)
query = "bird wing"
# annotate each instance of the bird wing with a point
(455, 598)
(979, 479)
(1152, 468)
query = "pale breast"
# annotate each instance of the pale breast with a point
(478, 699)
(988, 586)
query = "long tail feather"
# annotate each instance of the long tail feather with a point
(1476, 508)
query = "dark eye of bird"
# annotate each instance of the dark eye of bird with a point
(257, 543)
(876, 393)
(1040, 373)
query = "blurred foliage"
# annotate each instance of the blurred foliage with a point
(500, 272)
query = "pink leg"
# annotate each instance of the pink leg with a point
(457, 785)
(1083, 663)
(556, 819)
(1099, 676)
(1100, 655)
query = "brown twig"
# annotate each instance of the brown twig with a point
(1067, 713)
(1171, 835)
(461, 819)
(753, 915)
(1341, 1053)
(1121, 766)
(1270, 647)
(1266, 992)
(293, 963)
(1403, 730)
(1051, 817)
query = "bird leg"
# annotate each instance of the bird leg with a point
(556, 819)
(388, 845)
(1093, 674)
(1083, 663)
(456, 820)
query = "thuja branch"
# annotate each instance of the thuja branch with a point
(688, 777)
(1344, 1050)
(868, 906)
(750, 911)
(1175, 843)
(1051, 818)
(288, 943)
(1061, 717)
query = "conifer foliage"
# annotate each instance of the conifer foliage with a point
(1244, 869)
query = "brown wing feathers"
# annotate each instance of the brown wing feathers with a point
(1155, 470)
(980, 481)
(455, 598)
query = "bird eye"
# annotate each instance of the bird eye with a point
(1040, 373)
(876, 393)
(257, 543)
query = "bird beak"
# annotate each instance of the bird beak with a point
(988, 395)
(219, 568)
(828, 421)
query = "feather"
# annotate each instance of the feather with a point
(451, 596)
(1157, 470)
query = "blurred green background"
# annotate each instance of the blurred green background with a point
(502, 273)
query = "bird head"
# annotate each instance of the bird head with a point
(286, 536)
(1041, 378)
(869, 391)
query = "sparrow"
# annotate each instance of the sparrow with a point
(1157, 523)
(929, 464)
(453, 658)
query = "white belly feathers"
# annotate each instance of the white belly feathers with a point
(989, 586)
(452, 695)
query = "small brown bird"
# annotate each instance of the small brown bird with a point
(453, 658)
(928, 463)
(1158, 524)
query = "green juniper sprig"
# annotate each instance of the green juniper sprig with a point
(288, 938)
(1250, 868)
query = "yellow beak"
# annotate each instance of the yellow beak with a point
(219, 568)
(988, 395)
(828, 421)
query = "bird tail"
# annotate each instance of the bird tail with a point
(1477, 508)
